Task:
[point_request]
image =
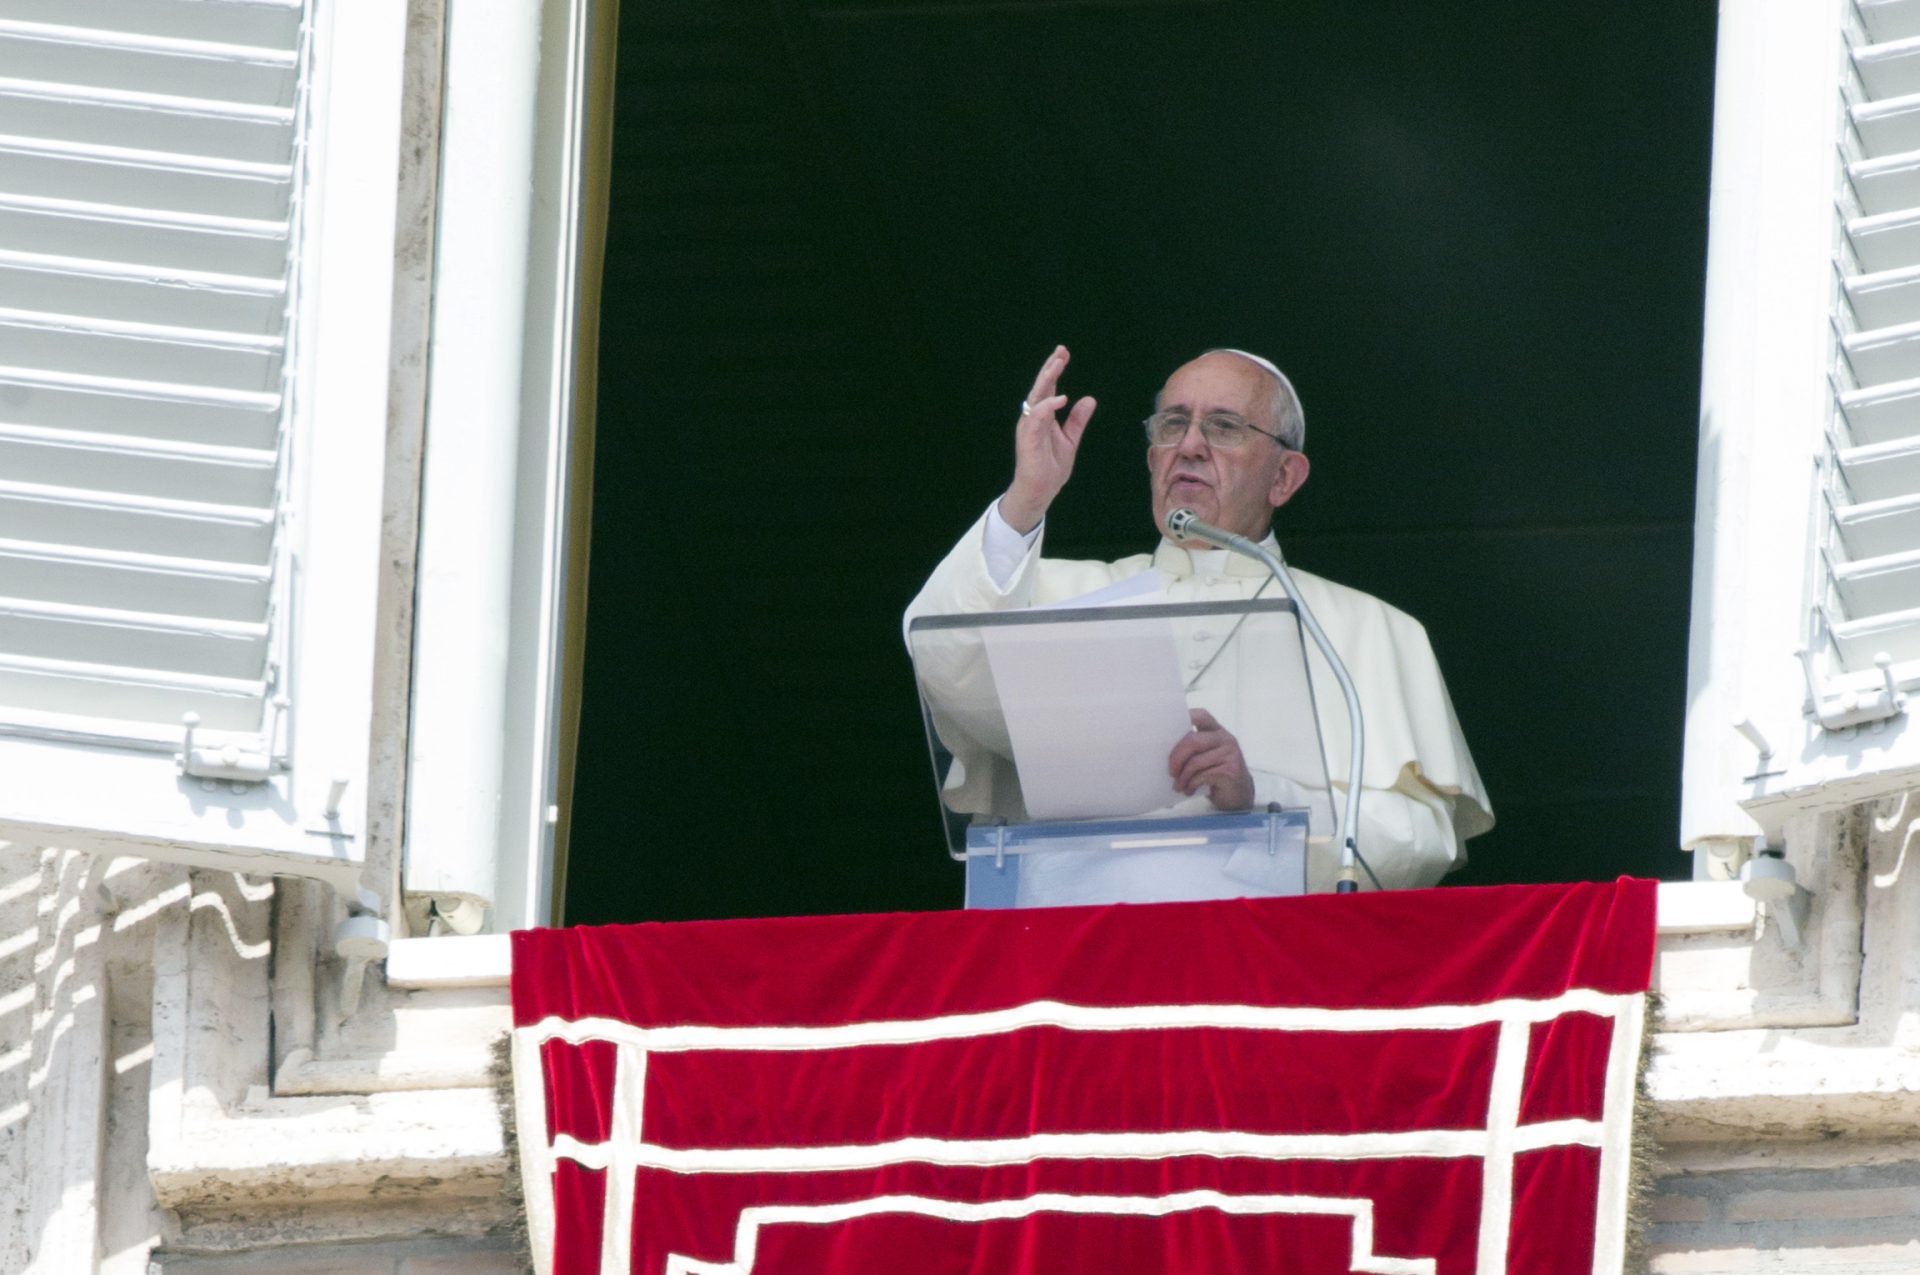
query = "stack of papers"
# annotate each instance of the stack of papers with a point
(1093, 709)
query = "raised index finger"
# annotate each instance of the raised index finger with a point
(1049, 376)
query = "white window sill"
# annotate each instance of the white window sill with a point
(1704, 907)
(455, 960)
(483, 960)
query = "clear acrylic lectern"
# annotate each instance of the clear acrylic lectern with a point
(1049, 733)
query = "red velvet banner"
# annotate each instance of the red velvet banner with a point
(1430, 1082)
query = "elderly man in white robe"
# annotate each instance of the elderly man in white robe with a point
(1225, 440)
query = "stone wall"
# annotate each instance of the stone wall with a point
(1833, 1206)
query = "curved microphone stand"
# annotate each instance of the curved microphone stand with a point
(1183, 524)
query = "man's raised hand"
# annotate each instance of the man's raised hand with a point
(1043, 446)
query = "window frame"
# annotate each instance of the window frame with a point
(502, 720)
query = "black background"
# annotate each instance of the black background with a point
(844, 235)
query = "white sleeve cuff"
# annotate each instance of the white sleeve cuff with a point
(1005, 547)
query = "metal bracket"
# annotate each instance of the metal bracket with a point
(1769, 879)
(212, 763)
(1751, 733)
(358, 940)
(1846, 709)
(330, 813)
(363, 937)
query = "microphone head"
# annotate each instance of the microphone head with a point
(1177, 522)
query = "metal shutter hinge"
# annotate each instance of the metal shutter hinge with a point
(1845, 709)
(211, 763)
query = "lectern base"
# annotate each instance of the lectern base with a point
(1223, 856)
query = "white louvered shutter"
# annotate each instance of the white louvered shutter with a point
(1806, 605)
(1870, 559)
(146, 200)
(157, 199)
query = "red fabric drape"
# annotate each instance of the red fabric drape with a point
(1395, 1082)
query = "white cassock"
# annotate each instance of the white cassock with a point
(1421, 796)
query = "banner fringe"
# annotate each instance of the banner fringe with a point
(1644, 1153)
(512, 1189)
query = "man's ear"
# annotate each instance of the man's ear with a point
(1291, 478)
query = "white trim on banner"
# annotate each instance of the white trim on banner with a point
(626, 1151)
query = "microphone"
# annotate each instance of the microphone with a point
(1184, 524)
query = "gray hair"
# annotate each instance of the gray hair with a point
(1289, 418)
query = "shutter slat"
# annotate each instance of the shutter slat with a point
(74, 55)
(146, 409)
(261, 343)
(129, 235)
(269, 22)
(98, 694)
(1885, 298)
(1876, 357)
(1881, 471)
(120, 116)
(1887, 184)
(1879, 528)
(1882, 413)
(1861, 642)
(1889, 19)
(131, 387)
(146, 38)
(1886, 241)
(138, 466)
(1881, 585)
(174, 644)
(141, 294)
(107, 520)
(143, 581)
(205, 362)
(1889, 69)
(1889, 127)
(170, 183)
(85, 123)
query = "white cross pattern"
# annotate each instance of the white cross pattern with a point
(626, 1151)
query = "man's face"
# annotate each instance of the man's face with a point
(1238, 488)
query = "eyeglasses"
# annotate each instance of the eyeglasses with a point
(1221, 429)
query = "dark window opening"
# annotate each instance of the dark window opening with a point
(842, 236)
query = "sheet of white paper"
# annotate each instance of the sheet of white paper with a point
(1092, 708)
(1138, 589)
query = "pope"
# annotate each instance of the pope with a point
(1226, 439)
